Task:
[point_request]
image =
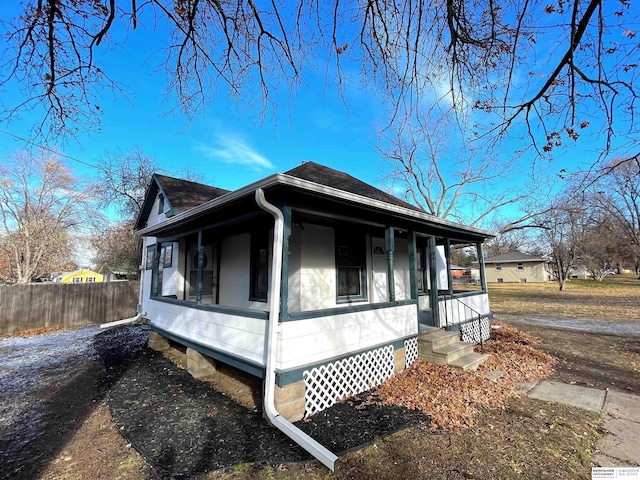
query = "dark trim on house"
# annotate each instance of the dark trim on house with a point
(455, 327)
(433, 282)
(469, 293)
(237, 362)
(284, 278)
(240, 312)
(344, 310)
(286, 377)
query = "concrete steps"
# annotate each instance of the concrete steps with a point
(445, 348)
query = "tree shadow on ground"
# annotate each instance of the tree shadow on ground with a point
(37, 435)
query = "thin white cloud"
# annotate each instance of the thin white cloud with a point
(229, 148)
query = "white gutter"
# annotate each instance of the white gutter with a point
(121, 322)
(327, 458)
(282, 179)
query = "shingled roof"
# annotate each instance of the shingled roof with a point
(180, 195)
(514, 257)
(183, 194)
(314, 172)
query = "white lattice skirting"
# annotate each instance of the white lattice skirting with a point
(328, 384)
(410, 351)
(474, 332)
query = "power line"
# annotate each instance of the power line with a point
(64, 155)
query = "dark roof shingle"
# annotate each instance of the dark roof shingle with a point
(329, 177)
(183, 194)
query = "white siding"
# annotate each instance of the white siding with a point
(441, 268)
(235, 273)
(424, 302)
(239, 336)
(454, 311)
(315, 340)
(401, 272)
(312, 273)
(379, 290)
(154, 217)
(171, 277)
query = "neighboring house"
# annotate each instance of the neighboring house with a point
(579, 272)
(516, 267)
(82, 275)
(312, 279)
(457, 271)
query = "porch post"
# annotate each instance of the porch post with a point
(284, 282)
(413, 272)
(447, 254)
(200, 268)
(389, 243)
(483, 278)
(433, 280)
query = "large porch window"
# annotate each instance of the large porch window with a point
(350, 265)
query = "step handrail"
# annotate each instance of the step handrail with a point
(474, 314)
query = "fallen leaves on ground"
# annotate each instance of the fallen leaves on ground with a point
(34, 331)
(508, 333)
(451, 397)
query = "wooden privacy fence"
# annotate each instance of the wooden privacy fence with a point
(65, 305)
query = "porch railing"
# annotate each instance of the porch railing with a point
(470, 315)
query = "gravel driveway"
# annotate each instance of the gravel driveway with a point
(583, 324)
(46, 381)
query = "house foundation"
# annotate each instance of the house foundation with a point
(399, 360)
(290, 400)
(200, 366)
(158, 342)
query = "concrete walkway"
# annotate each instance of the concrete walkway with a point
(620, 446)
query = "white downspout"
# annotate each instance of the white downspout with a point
(321, 453)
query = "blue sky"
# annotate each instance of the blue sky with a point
(228, 144)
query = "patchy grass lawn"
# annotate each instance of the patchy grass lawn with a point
(592, 359)
(617, 298)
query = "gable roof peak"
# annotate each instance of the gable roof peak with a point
(329, 177)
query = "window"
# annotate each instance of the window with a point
(150, 250)
(420, 268)
(500, 280)
(520, 266)
(259, 265)
(523, 280)
(77, 279)
(167, 255)
(498, 266)
(160, 204)
(91, 279)
(350, 266)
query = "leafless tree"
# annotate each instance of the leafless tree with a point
(122, 181)
(613, 193)
(117, 249)
(511, 241)
(563, 232)
(546, 70)
(40, 205)
(459, 182)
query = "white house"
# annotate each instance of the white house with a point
(313, 280)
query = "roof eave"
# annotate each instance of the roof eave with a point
(288, 180)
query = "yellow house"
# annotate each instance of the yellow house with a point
(82, 276)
